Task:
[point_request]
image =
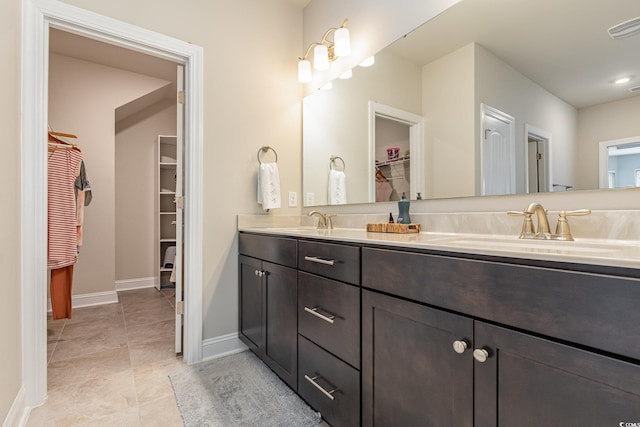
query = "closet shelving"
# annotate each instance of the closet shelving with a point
(393, 162)
(165, 207)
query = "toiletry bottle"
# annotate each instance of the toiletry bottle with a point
(403, 210)
(391, 221)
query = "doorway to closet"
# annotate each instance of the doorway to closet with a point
(119, 102)
(38, 18)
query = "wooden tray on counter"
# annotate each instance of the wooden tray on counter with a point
(385, 227)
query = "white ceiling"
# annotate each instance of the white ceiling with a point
(562, 45)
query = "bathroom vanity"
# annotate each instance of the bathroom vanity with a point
(383, 330)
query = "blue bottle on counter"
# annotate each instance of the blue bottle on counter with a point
(403, 210)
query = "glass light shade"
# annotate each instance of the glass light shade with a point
(304, 71)
(342, 44)
(368, 62)
(320, 57)
(346, 75)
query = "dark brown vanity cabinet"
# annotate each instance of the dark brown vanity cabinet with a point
(374, 336)
(428, 366)
(329, 330)
(528, 381)
(268, 302)
(411, 375)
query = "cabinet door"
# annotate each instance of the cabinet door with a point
(411, 375)
(530, 381)
(280, 320)
(251, 303)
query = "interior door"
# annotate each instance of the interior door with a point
(179, 208)
(498, 155)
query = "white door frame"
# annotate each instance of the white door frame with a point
(603, 157)
(37, 17)
(416, 143)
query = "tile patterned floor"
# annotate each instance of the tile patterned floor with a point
(109, 365)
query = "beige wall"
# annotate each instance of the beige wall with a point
(448, 107)
(11, 366)
(135, 192)
(502, 87)
(604, 122)
(83, 97)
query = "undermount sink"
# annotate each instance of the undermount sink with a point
(557, 246)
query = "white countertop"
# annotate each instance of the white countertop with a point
(616, 253)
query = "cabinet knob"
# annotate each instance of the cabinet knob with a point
(460, 346)
(481, 355)
(259, 273)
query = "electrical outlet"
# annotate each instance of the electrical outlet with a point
(293, 199)
(310, 199)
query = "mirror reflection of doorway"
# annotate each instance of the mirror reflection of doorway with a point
(538, 161)
(620, 163)
(396, 138)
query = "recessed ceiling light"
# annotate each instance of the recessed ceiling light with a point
(368, 62)
(622, 80)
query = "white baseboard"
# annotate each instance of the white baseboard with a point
(223, 345)
(86, 300)
(19, 412)
(129, 284)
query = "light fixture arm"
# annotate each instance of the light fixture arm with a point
(325, 41)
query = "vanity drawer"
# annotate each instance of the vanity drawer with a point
(594, 310)
(319, 374)
(340, 262)
(278, 250)
(329, 315)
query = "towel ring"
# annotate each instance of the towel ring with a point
(332, 159)
(264, 150)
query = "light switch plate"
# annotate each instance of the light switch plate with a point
(310, 199)
(293, 199)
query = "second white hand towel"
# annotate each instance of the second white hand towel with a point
(337, 187)
(269, 186)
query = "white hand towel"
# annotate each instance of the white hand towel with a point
(268, 186)
(337, 187)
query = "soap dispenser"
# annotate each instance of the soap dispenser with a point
(403, 210)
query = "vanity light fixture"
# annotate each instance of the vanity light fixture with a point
(325, 51)
(625, 29)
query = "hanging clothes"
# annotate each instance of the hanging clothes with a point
(83, 198)
(62, 220)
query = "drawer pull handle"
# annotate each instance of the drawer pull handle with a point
(316, 313)
(324, 391)
(320, 260)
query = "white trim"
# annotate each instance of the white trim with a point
(140, 283)
(19, 412)
(603, 157)
(223, 345)
(37, 17)
(88, 300)
(416, 143)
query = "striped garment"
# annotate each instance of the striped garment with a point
(63, 169)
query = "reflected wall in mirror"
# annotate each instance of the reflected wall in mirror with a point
(549, 65)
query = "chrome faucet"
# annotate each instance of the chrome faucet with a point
(542, 231)
(324, 220)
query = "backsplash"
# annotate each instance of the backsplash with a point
(603, 224)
